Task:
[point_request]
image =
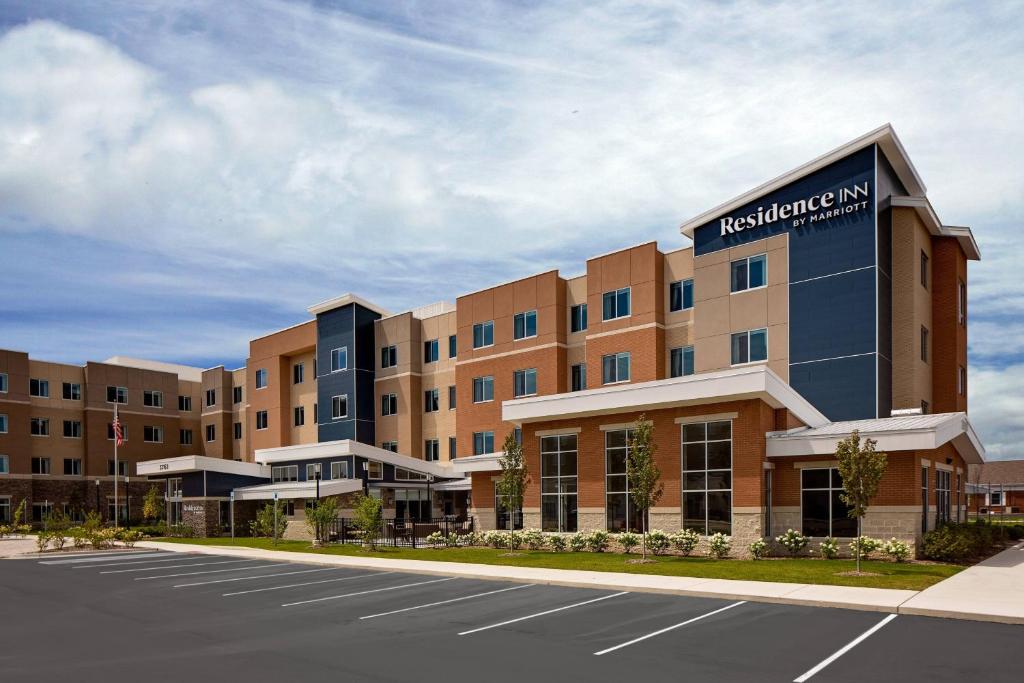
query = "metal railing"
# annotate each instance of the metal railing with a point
(395, 533)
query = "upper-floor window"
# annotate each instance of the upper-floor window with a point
(236, 394)
(483, 389)
(578, 318)
(749, 273)
(451, 448)
(430, 351)
(298, 373)
(924, 270)
(390, 446)
(524, 325)
(39, 426)
(122, 468)
(261, 419)
(453, 345)
(339, 359)
(117, 394)
(284, 473)
(40, 465)
(261, 378)
(961, 380)
(110, 432)
(375, 468)
(483, 442)
(961, 299)
(616, 304)
(153, 399)
(388, 404)
(72, 429)
(72, 391)
(3, 423)
(431, 404)
(578, 377)
(924, 344)
(483, 334)
(431, 451)
(681, 361)
(451, 397)
(339, 407)
(524, 382)
(39, 388)
(211, 433)
(211, 397)
(3, 382)
(185, 403)
(300, 416)
(680, 295)
(388, 356)
(4, 469)
(750, 346)
(153, 434)
(615, 367)
(73, 466)
(339, 470)
(185, 437)
(236, 429)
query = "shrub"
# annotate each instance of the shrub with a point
(102, 538)
(78, 537)
(495, 539)
(685, 541)
(598, 540)
(1015, 532)
(533, 538)
(578, 542)
(557, 542)
(152, 531)
(868, 545)
(628, 540)
(4, 530)
(186, 530)
(896, 550)
(959, 542)
(42, 540)
(793, 541)
(758, 549)
(23, 530)
(129, 537)
(829, 549)
(263, 525)
(657, 541)
(719, 545)
(436, 539)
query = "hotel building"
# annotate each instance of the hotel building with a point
(828, 300)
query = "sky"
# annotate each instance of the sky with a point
(179, 177)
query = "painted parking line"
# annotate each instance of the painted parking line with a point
(173, 566)
(374, 590)
(308, 583)
(252, 578)
(544, 613)
(135, 561)
(669, 628)
(846, 648)
(207, 571)
(99, 557)
(446, 602)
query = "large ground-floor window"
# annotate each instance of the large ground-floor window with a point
(943, 502)
(707, 477)
(558, 457)
(413, 504)
(822, 512)
(5, 509)
(502, 512)
(623, 514)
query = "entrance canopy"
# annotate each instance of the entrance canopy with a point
(291, 490)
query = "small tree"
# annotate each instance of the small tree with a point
(369, 518)
(643, 474)
(511, 485)
(19, 514)
(152, 504)
(320, 517)
(264, 524)
(861, 468)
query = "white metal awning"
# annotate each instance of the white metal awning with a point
(291, 490)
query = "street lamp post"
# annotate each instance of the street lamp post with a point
(232, 514)
(127, 505)
(98, 499)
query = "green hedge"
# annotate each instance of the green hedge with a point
(962, 542)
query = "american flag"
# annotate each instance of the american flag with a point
(118, 432)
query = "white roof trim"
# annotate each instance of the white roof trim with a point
(345, 300)
(200, 463)
(926, 212)
(487, 462)
(292, 490)
(347, 447)
(709, 387)
(884, 137)
(185, 372)
(465, 484)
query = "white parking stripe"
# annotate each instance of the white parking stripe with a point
(208, 571)
(670, 628)
(99, 557)
(445, 602)
(173, 566)
(250, 578)
(180, 558)
(541, 614)
(308, 583)
(375, 590)
(843, 650)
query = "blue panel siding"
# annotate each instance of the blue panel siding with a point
(833, 316)
(842, 389)
(217, 484)
(350, 327)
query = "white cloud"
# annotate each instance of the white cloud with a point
(995, 407)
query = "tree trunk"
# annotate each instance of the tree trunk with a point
(643, 535)
(858, 545)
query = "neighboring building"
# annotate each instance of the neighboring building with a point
(827, 300)
(996, 488)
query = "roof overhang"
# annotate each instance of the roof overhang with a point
(345, 300)
(200, 463)
(734, 384)
(884, 137)
(292, 490)
(926, 212)
(487, 462)
(464, 484)
(348, 447)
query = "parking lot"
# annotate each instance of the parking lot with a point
(155, 615)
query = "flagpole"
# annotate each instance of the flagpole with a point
(116, 510)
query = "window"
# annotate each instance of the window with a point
(153, 434)
(3, 423)
(388, 356)
(39, 388)
(750, 346)
(943, 503)
(451, 397)
(117, 395)
(174, 487)
(749, 273)
(211, 397)
(284, 473)
(237, 427)
(821, 510)
(432, 450)
(339, 470)
(388, 404)
(390, 446)
(616, 304)
(236, 395)
(622, 513)
(261, 419)
(40, 426)
(483, 442)
(451, 448)
(40, 466)
(681, 361)
(524, 382)
(578, 318)
(211, 433)
(961, 380)
(41, 511)
(122, 468)
(153, 399)
(185, 437)
(615, 368)
(961, 299)
(680, 295)
(298, 373)
(578, 377)
(375, 469)
(924, 270)
(483, 389)
(558, 461)
(524, 325)
(339, 407)
(959, 495)
(707, 477)
(503, 515)
(5, 507)
(261, 378)
(110, 432)
(3, 388)
(70, 391)
(924, 344)
(316, 416)
(430, 353)
(430, 401)
(185, 403)
(924, 499)
(517, 434)
(5, 467)
(72, 429)
(339, 359)
(300, 416)
(995, 498)
(453, 345)
(483, 334)
(73, 467)
(313, 471)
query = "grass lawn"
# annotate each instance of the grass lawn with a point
(801, 570)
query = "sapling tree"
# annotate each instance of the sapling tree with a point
(152, 504)
(369, 518)
(511, 483)
(643, 474)
(861, 468)
(319, 518)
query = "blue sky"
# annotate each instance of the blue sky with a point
(179, 177)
